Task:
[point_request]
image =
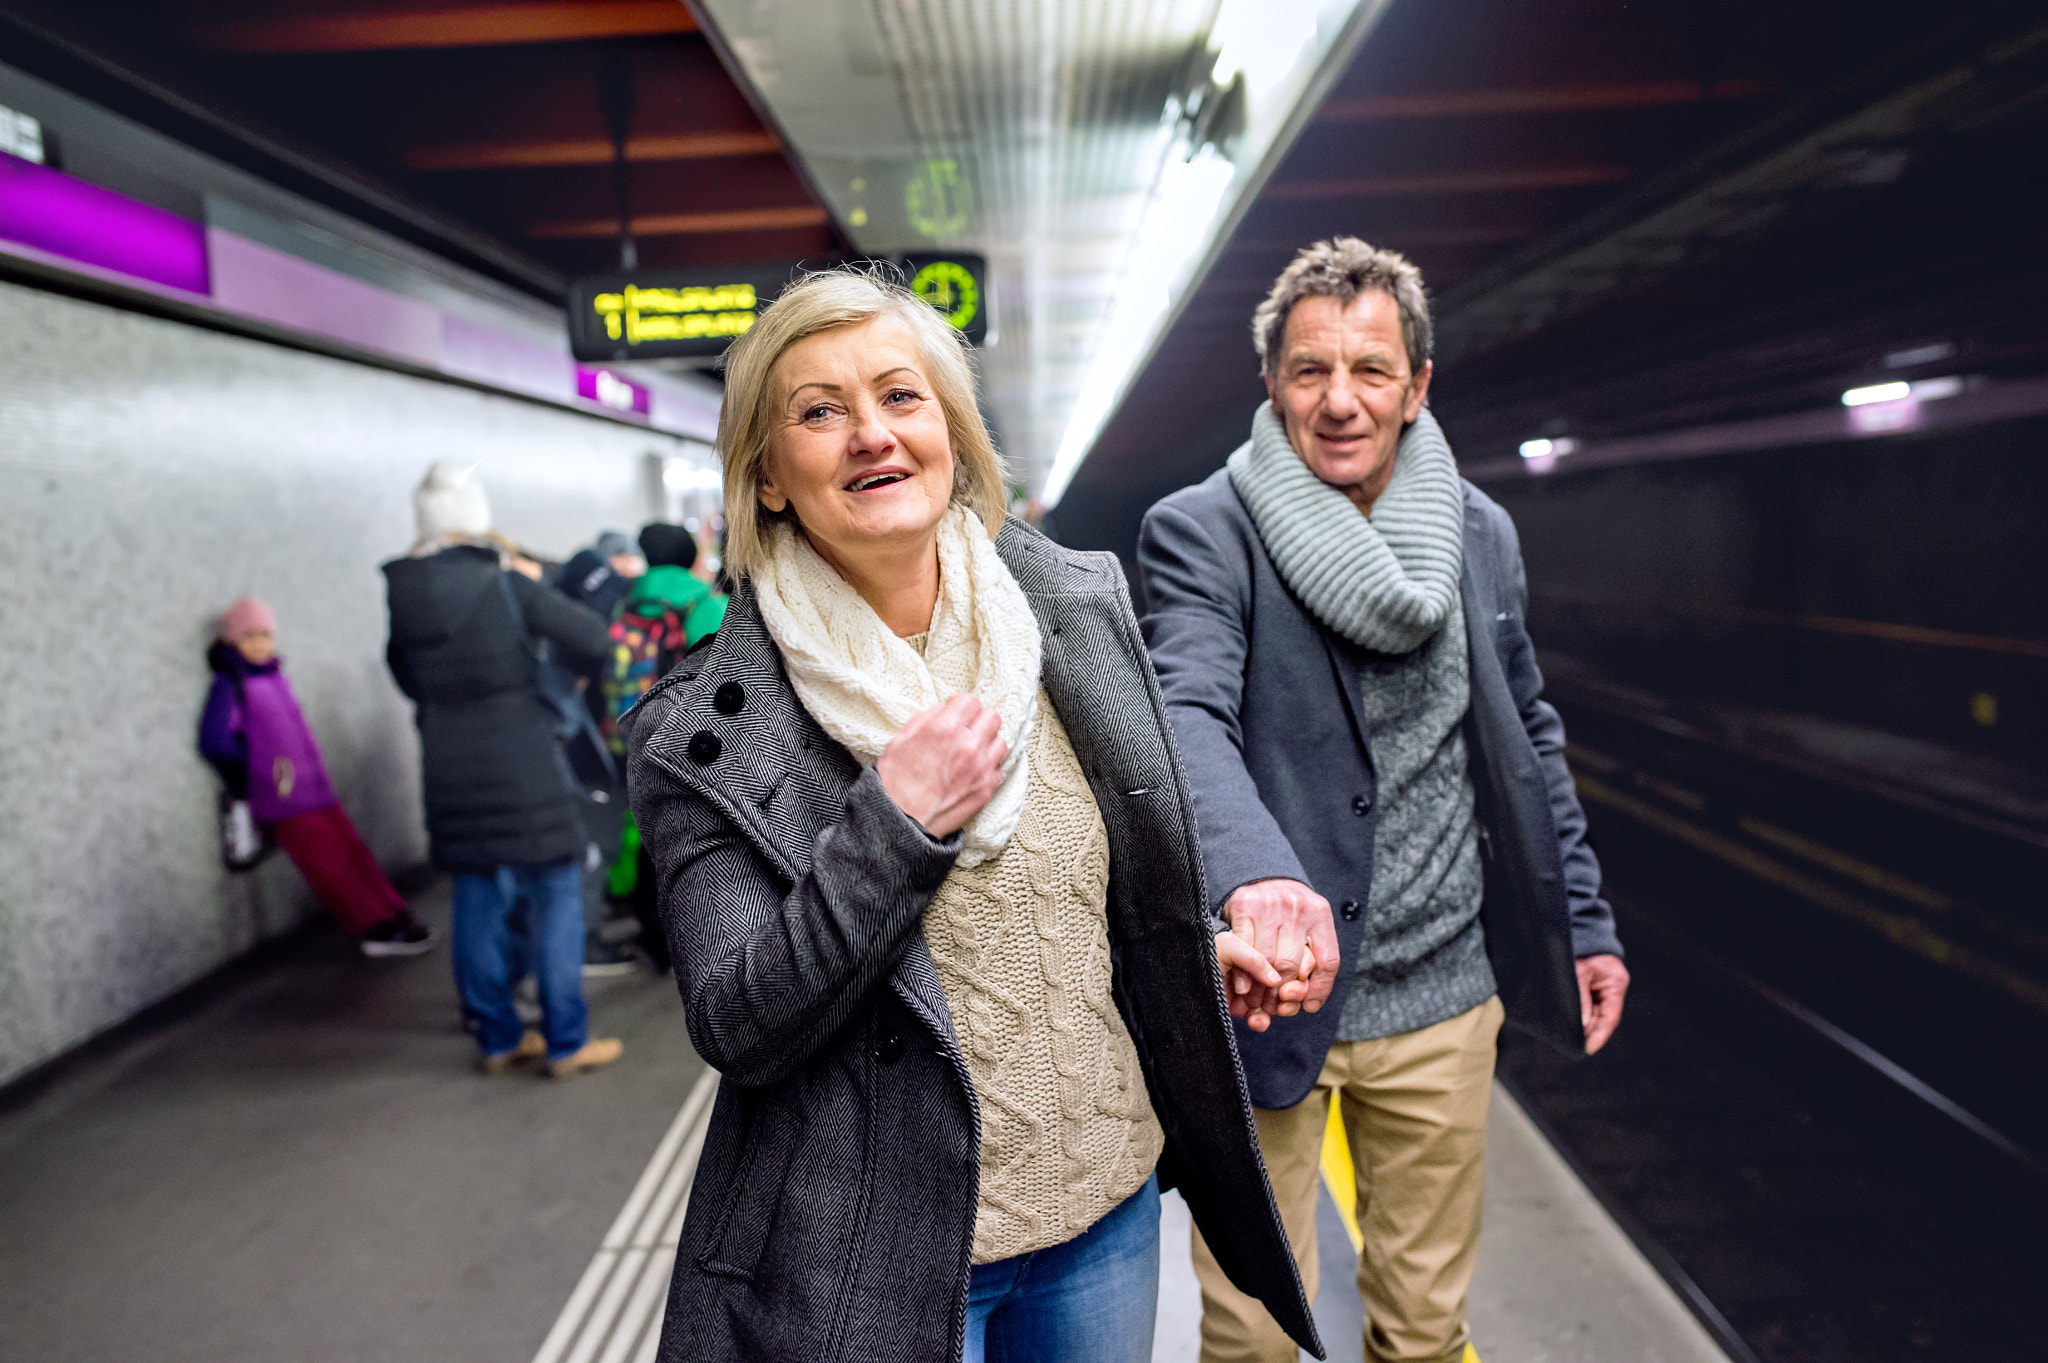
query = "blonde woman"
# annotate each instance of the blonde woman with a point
(929, 872)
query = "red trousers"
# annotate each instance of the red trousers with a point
(330, 854)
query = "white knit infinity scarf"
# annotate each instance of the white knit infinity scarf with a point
(1385, 582)
(863, 684)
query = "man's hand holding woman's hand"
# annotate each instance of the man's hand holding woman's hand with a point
(1280, 955)
(945, 764)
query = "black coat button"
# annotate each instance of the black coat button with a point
(1361, 805)
(704, 747)
(1350, 910)
(729, 699)
(888, 1046)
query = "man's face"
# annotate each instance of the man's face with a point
(1344, 390)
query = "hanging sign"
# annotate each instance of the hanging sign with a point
(955, 284)
(667, 313)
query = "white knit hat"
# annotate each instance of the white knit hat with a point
(450, 503)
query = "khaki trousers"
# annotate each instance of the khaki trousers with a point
(1414, 1109)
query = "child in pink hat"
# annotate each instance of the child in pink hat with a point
(254, 734)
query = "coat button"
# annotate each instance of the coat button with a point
(888, 1046)
(1350, 910)
(729, 699)
(1361, 805)
(704, 747)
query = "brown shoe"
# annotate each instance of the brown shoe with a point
(593, 1055)
(532, 1046)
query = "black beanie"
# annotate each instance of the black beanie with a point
(662, 544)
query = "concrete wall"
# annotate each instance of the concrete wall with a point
(150, 472)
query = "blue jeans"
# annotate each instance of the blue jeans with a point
(1093, 1299)
(485, 953)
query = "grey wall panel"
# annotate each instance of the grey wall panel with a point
(150, 472)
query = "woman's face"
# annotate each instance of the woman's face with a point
(859, 446)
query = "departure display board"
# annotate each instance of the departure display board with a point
(957, 285)
(667, 313)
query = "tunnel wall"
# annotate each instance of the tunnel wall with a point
(1799, 580)
(150, 472)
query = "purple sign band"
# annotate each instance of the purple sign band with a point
(53, 212)
(615, 391)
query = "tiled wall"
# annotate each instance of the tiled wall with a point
(150, 472)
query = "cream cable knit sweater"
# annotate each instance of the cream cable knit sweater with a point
(1019, 930)
(1022, 948)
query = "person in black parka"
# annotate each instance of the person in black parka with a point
(501, 810)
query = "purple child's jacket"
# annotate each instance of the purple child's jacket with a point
(251, 716)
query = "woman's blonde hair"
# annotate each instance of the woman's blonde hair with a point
(828, 301)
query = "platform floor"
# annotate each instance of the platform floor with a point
(304, 1167)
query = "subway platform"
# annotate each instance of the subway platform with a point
(296, 1162)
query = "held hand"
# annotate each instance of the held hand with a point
(1290, 926)
(945, 764)
(1603, 983)
(1249, 980)
(527, 568)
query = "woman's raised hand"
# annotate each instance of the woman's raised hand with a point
(945, 764)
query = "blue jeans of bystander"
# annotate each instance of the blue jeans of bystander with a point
(1093, 1299)
(484, 952)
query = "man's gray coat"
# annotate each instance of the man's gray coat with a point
(833, 1211)
(1263, 698)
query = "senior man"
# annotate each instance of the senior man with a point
(1337, 622)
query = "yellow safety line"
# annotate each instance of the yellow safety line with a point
(1338, 1176)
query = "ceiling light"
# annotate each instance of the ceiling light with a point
(1933, 390)
(1178, 223)
(1919, 354)
(1264, 39)
(1539, 449)
(1876, 392)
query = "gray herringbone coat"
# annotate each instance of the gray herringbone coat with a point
(833, 1211)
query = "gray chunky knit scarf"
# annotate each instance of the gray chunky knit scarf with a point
(1384, 582)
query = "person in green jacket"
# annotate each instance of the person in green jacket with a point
(668, 612)
(670, 581)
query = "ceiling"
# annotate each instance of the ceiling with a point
(1093, 150)
(1632, 213)
(1629, 212)
(477, 129)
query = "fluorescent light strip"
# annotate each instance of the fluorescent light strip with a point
(1876, 392)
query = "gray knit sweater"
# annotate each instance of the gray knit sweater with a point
(1423, 956)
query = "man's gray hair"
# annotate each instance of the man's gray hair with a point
(1343, 268)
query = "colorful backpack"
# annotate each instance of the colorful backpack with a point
(644, 648)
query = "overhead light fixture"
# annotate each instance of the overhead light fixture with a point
(1933, 390)
(1177, 225)
(1877, 392)
(1919, 354)
(1262, 40)
(1209, 145)
(1548, 449)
